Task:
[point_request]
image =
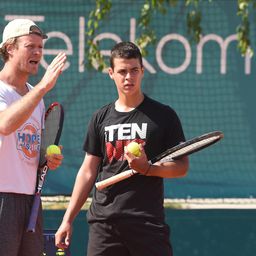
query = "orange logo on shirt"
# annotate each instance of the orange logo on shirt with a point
(28, 140)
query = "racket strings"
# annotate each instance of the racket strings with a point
(50, 130)
(190, 148)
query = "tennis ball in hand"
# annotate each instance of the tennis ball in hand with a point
(53, 149)
(134, 148)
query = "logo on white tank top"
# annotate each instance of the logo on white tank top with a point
(28, 140)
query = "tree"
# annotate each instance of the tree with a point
(147, 36)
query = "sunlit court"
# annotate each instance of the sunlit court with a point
(198, 58)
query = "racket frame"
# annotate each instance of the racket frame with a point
(166, 156)
(42, 171)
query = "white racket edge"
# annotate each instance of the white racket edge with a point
(114, 179)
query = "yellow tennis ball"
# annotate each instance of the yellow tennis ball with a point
(53, 149)
(134, 148)
(60, 252)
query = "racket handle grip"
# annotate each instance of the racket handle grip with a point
(114, 179)
(34, 213)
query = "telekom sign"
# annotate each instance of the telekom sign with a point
(159, 52)
(188, 52)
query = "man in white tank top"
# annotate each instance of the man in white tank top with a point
(21, 121)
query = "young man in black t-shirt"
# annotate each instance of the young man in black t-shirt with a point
(127, 218)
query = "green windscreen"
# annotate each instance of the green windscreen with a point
(210, 85)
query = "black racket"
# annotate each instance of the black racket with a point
(183, 149)
(54, 118)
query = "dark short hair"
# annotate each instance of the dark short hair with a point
(125, 50)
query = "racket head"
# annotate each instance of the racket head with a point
(54, 118)
(188, 147)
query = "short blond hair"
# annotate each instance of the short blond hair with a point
(3, 51)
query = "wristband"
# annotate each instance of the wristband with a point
(146, 172)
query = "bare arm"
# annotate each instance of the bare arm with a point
(174, 169)
(83, 185)
(16, 114)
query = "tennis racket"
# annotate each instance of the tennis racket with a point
(54, 118)
(177, 152)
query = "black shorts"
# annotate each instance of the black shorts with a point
(14, 215)
(129, 237)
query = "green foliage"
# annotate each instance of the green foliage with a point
(96, 16)
(243, 29)
(147, 34)
(194, 17)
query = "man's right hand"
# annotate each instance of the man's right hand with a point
(63, 236)
(52, 72)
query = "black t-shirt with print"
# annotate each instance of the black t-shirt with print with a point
(108, 132)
